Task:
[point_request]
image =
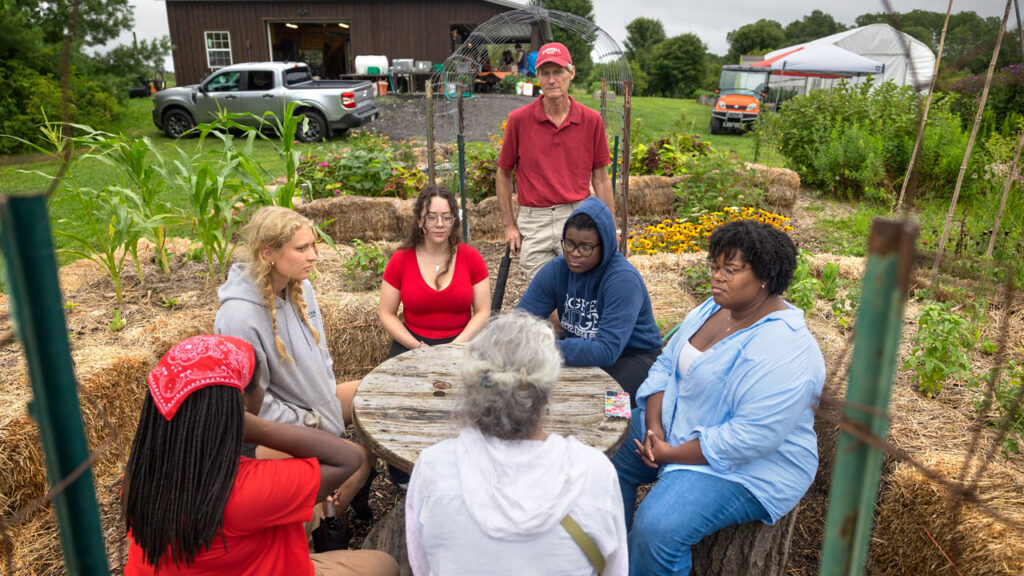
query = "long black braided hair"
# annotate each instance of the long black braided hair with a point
(180, 474)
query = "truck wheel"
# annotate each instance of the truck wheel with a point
(316, 127)
(716, 125)
(178, 122)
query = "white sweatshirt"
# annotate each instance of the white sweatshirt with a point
(480, 505)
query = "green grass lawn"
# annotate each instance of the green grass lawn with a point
(654, 118)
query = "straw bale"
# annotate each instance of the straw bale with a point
(485, 221)
(652, 196)
(159, 335)
(780, 186)
(356, 340)
(361, 217)
(79, 274)
(110, 393)
(662, 273)
(912, 506)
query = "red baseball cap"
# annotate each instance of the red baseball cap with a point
(554, 52)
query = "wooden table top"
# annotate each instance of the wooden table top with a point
(407, 403)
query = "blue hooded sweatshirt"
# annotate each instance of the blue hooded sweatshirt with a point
(606, 312)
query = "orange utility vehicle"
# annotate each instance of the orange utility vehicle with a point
(741, 92)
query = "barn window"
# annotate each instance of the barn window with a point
(218, 49)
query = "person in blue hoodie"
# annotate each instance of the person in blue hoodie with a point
(602, 301)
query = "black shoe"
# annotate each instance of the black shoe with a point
(331, 534)
(361, 501)
(398, 477)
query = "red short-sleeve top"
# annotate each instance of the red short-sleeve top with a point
(263, 533)
(433, 313)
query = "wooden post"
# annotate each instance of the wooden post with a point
(431, 176)
(924, 115)
(38, 318)
(858, 464)
(626, 107)
(1010, 178)
(604, 96)
(970, 145)
(461, 140)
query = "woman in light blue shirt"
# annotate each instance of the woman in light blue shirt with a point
(725, 419)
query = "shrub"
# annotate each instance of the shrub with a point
(372, 165)
(481, 172)
(852, 141)
(666, 156)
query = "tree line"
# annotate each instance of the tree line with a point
(679, 66)
(31, 33)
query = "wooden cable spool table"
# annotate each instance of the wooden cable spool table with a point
(407, 403)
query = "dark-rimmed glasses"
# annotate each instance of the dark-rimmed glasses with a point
(584, 249)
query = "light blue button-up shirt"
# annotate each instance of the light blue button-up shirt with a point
(749, 399)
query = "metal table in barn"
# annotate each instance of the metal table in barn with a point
(408, 402)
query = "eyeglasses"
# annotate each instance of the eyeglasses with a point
(584, 249)
(726, 272)
(446, 220)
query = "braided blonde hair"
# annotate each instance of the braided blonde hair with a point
(273, 227)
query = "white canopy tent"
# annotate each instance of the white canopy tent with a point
(880, 43)
(821, 59)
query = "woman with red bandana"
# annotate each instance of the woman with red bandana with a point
(193, 505)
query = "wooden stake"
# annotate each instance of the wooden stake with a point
(970, 144)
(924, 116)
(626, 106)
(431, 176)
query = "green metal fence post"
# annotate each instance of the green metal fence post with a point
(39, 320)
(858, 465)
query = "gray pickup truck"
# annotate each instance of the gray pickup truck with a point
(330, 106)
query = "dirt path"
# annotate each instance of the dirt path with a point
(405, 116)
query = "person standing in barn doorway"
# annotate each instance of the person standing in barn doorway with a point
(556, 150)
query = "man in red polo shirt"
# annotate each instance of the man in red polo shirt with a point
(557, 149)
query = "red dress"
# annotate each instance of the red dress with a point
(433, 313)
(263, 533)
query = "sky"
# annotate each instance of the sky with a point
(711, 20)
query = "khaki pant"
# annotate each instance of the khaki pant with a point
(354, 563)
(541, 230)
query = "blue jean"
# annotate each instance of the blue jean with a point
(681, 509)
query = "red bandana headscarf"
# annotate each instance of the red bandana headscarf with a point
(198, 362)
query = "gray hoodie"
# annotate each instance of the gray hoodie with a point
(298, 391)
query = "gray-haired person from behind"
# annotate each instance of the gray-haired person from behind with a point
(493, 499)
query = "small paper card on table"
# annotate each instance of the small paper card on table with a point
(616, 404)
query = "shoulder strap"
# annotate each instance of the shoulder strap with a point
(585, 542)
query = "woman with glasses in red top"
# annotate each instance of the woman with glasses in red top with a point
(440, 283)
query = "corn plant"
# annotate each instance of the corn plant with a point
(104, 230)
(213, 190)
(141, 178)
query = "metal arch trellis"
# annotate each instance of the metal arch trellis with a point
(454, 79)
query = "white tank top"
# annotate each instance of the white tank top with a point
(686, 357)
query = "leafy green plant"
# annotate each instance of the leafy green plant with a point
(713, 182)
(667, 156)
(372, 165)
(695, 281)
(169, 303)
(804, 289)
(1005, 400)
(366, 266)
(212, 190)
(830, 281)
(941, 347)
(103, 231)
(844, 308)
(136, 161)
(481, 173)
(118, 323)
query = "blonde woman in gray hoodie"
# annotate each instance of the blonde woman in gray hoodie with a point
(268, 301)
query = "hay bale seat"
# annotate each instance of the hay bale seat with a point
(360, 217)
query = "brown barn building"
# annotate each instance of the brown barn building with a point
(328, 35)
